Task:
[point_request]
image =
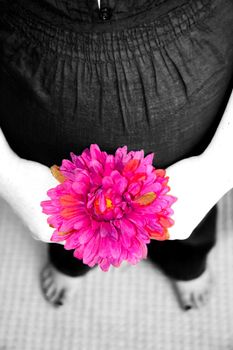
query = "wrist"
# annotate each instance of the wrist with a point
(10, 165)
(8, 158)
(219, 170)
(218, 156)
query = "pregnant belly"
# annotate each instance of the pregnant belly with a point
(40, 130)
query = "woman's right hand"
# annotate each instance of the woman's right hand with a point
(24, 184)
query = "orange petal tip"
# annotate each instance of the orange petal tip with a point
(132, 165)
(62, 233)
(160, 172)
(146, 198)
(158, 237)
(55, 170)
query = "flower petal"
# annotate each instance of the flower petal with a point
(82, 222)
(127, 227)
(80, 187)
(105, 229)
(95, 151)
(104, 264)
(78, 253)
(91, 249)
(107, 182)
(115, 249)
(58, 236)
(85, 235)
(104, 247)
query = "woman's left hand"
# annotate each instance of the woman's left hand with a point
(198, 186)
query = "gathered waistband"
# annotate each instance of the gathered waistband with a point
(108, 41)
(88, 11)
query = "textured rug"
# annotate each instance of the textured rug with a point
(131, 308)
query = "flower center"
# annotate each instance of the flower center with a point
(106, 205)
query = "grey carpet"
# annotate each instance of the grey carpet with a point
(131, 308)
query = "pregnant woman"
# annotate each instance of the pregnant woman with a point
(153, 75)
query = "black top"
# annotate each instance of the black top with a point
(146, 74)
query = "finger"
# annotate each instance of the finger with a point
(181, 234)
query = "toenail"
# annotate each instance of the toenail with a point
(187, 307)
(48, 283)
(50, 294)
(46, 272)
(58, 303)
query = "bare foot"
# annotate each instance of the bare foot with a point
(194, 293)
(57, 288)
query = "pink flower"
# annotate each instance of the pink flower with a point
(107, 208)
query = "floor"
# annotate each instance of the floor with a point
(131, 308)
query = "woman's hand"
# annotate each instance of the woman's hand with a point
(187, 180)
(24, 184)
(199, 184)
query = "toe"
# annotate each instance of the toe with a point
(194, 293)
(47, 282)
(185, 301)
(50, 294)
(60, 299)
(204, 297)
(49, 290)
(196, 299)
(48, 286)
(46, 272)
